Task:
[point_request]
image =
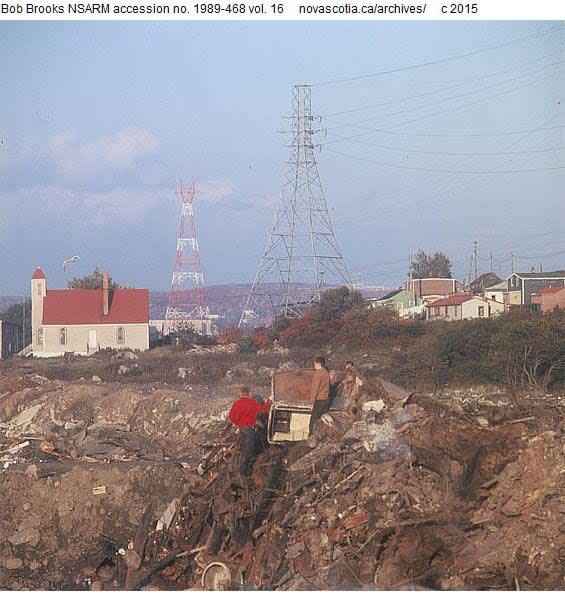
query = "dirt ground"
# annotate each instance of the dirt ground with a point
(120, 472)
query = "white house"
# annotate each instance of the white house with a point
(460, 307)
(497, 292)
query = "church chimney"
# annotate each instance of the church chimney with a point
(105, 293)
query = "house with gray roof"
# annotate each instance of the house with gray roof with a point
(522, 285)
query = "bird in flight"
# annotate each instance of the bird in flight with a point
(67, 262)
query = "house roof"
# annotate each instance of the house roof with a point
(38, 274)
(431, 279)
(486, 280)
(85, 307)
(453, 300)
(390, 295)
(549, 289)
(500, 286)
(540, 275)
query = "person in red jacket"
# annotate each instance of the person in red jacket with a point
(243, 414)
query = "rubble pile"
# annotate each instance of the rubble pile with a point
(80, 463)
(108, 486)
(400, 495)
(85, 419)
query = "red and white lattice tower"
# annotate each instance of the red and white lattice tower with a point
(188, 299)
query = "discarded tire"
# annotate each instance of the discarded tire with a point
(217, 576)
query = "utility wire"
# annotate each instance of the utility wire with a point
(463, 135)
(458, 154)
(435, 62)
(445, 171)
(420, 94)
(444, 111)
(522, 71)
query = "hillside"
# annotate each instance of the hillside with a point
(228, 300)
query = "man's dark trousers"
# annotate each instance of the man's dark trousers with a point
(248, 449)
(320, 408)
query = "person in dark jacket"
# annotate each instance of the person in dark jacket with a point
(243, 414)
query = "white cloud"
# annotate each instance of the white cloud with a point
(84, 207)
(77, 161)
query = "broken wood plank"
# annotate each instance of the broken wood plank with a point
(529, 419)
(139, 542)
(356, 520)
(166, 518)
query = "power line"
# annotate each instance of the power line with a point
(459, 154)
(437, 61)
(444, 111)
(522, 70)
(462, 135)
(445, 171)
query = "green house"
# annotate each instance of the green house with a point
(401, 300)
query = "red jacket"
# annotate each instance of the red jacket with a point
(244, 411)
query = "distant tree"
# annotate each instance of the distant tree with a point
(15, 314)
(92, 281)
(335, 302)
(246, 345)
(437, 265)
(262, 337)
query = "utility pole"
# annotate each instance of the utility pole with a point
(512, 261)
(491, 266)
(475, 259)
(24, 324)
(302, 253)
(470, 274)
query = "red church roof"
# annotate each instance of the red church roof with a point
(85, 307)
(38, 274)
(450, 301)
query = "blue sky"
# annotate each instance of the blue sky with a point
(99, 120)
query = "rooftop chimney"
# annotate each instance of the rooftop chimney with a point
(105, 293)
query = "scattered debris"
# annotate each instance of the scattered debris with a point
(402, 490)
(165, 520)
(18, 447)
(374, 406)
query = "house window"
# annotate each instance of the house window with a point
(513, 281)
(63, 336)
(39, 289)
(446, 312)
(481, 310)
(121, 335)
(436, 311)
(39, 336)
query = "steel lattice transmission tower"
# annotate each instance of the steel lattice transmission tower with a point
(302, 254)
(188, 299)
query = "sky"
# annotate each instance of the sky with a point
(435, 135)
